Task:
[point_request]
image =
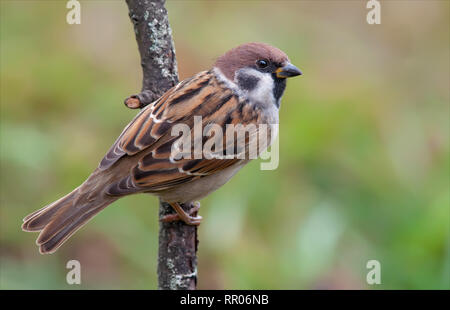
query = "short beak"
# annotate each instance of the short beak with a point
(287, 71)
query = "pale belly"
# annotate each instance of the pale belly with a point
(200, 188)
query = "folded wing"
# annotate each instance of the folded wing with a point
(150, 133)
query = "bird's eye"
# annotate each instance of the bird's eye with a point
(262, 63)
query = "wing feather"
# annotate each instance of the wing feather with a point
(150, 134)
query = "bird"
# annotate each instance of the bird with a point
(244, 86)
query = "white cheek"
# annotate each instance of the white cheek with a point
(263, 92)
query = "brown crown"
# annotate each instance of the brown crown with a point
(246, 55)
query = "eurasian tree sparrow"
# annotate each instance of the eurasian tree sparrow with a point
(244, 87)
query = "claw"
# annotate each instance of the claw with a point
(184, 216)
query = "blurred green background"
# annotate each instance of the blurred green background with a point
(364, 145)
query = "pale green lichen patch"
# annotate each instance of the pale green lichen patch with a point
(161, 38)
(170, 264)
(178, 281)
(182, 280)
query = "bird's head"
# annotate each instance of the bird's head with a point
(253, 65)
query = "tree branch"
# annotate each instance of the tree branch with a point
(177, 252)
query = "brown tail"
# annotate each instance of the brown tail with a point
(62, 218)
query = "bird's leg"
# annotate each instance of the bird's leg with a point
(184, 216)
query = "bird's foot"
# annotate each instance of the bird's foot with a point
(190, 217)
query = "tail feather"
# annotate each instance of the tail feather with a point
(37, 220)
(56, 233)
(62, 218)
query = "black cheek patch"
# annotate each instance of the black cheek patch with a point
(247, 82)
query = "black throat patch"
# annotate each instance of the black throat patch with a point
(279, 85)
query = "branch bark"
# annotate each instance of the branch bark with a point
(177, 252)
